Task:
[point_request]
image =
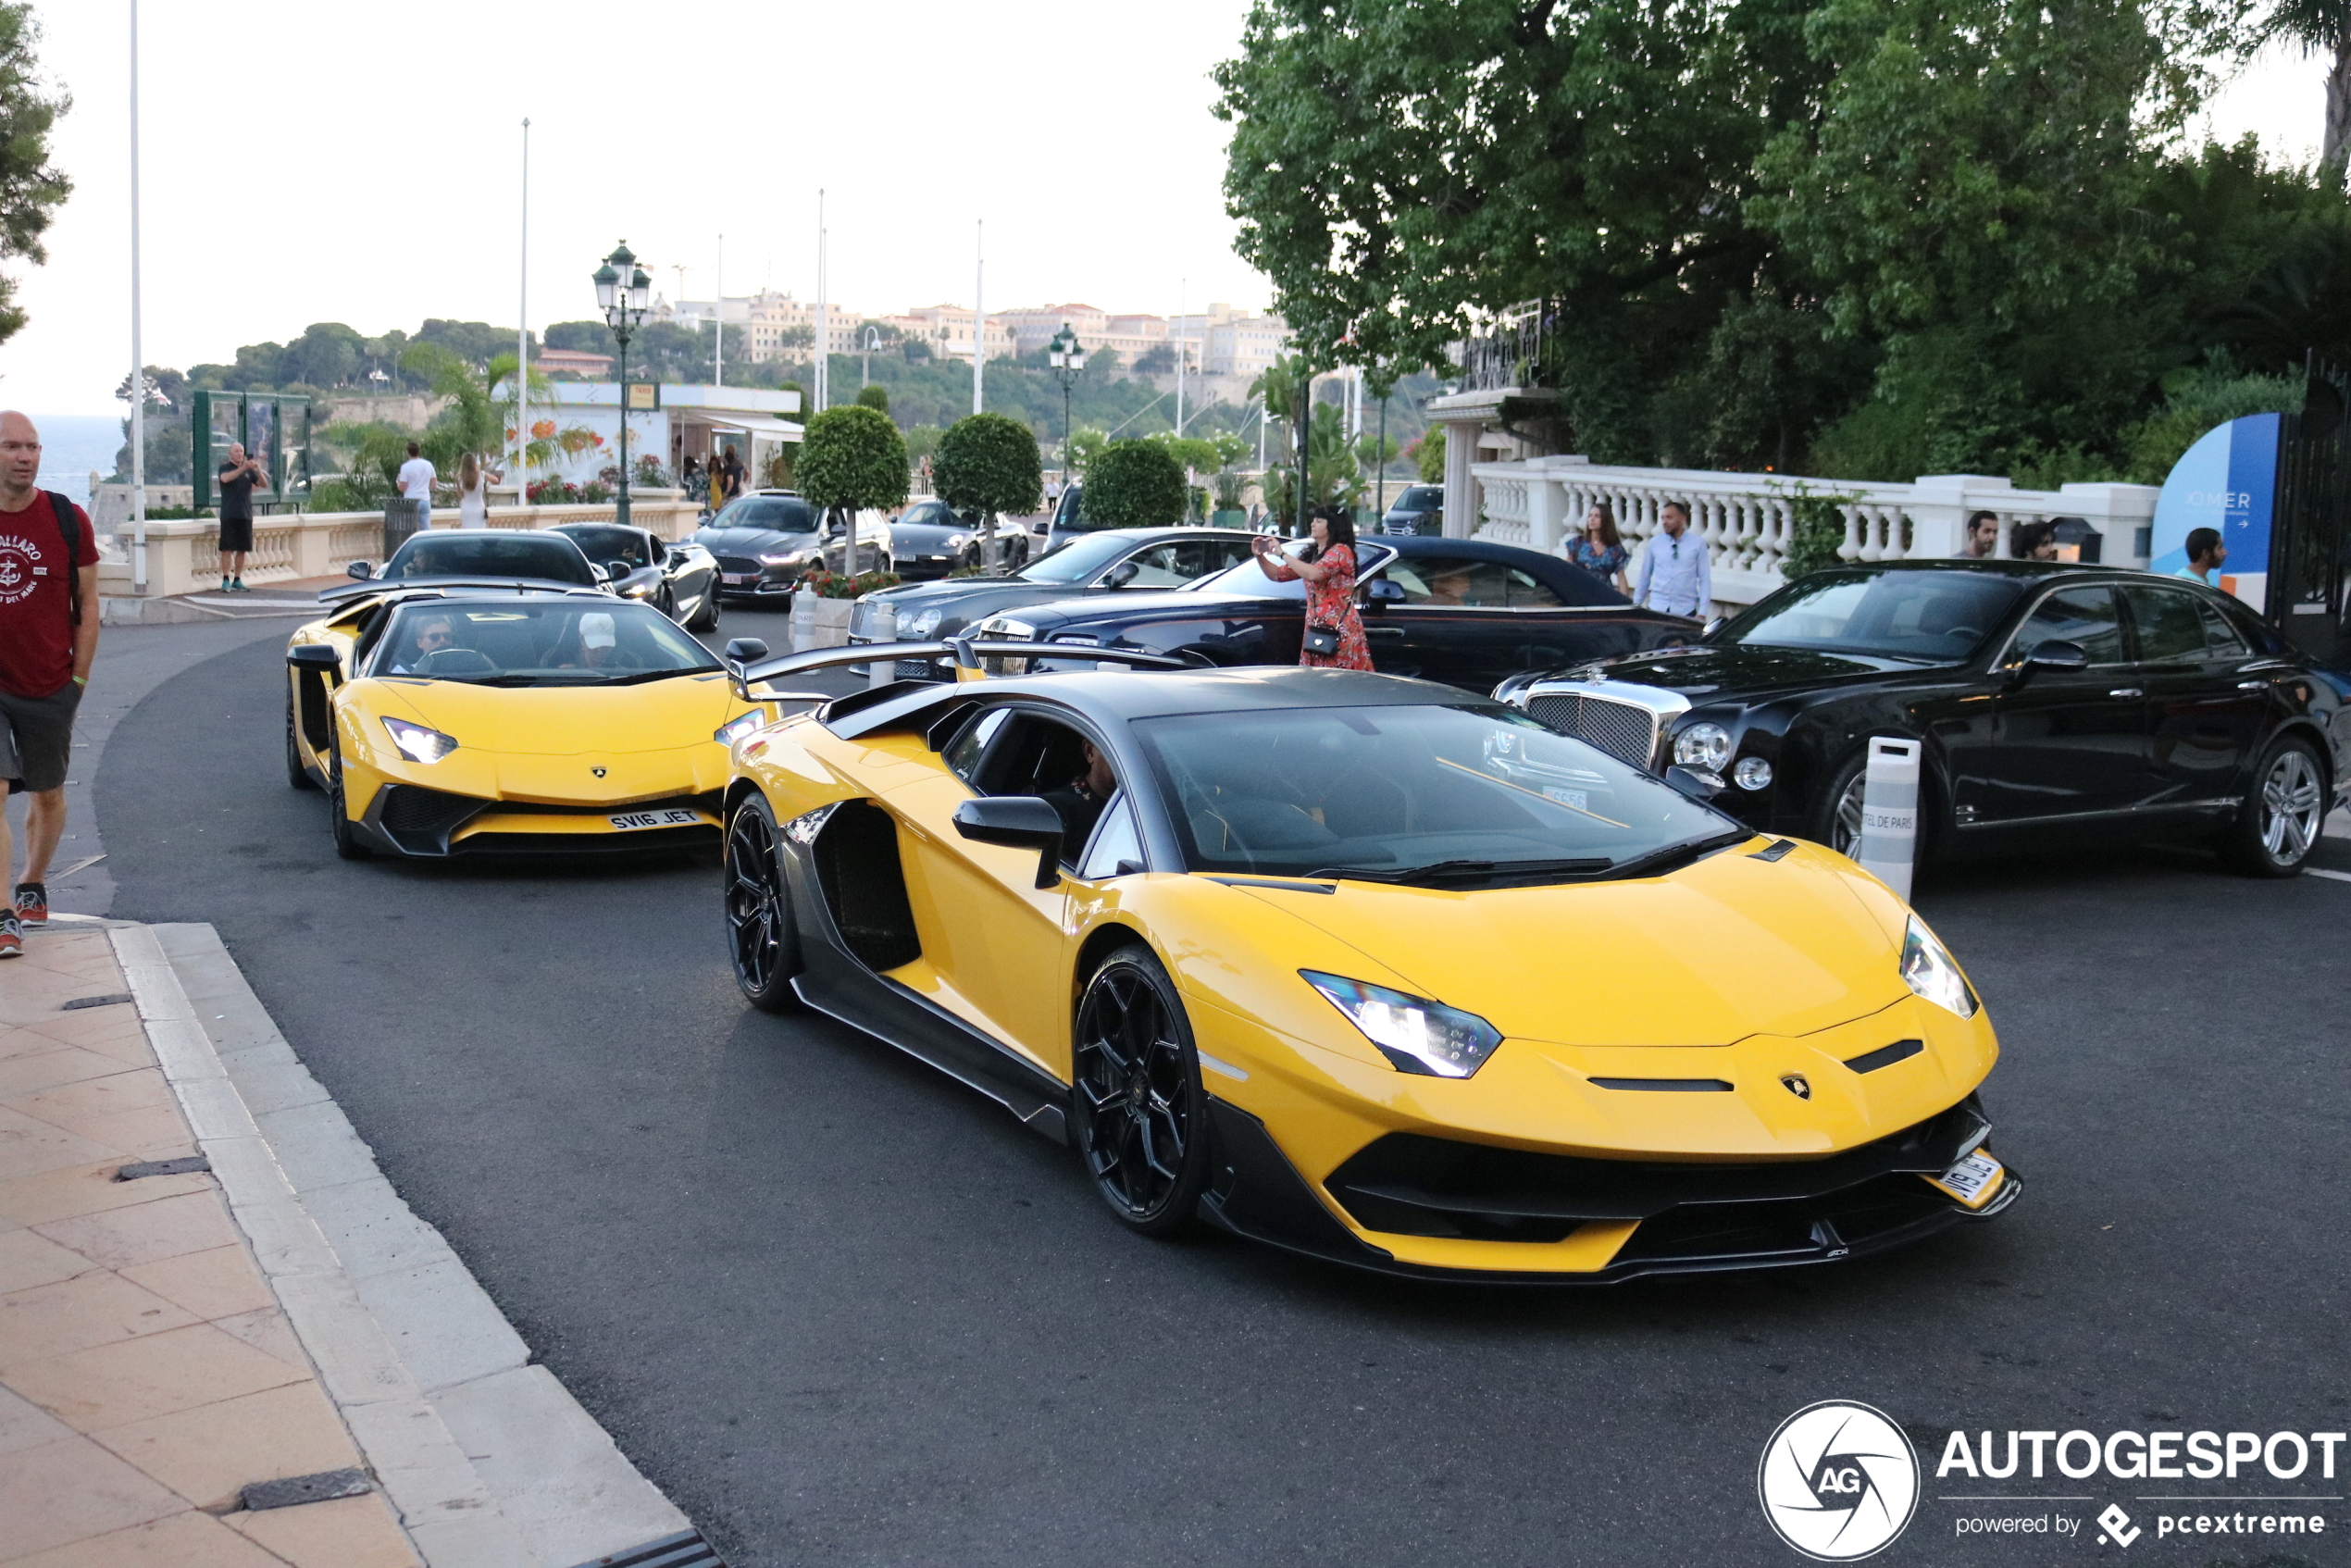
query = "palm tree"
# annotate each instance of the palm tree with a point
(2320, 26)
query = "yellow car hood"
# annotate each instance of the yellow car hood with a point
(1730, 947)
(655, 715)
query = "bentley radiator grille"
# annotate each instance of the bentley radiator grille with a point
(1624, 731)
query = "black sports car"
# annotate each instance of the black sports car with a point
(680, 581)
(765, 540)
(1459, 611)
(541, 555)
(1116, 561)
(931, 539)
(2052, 701)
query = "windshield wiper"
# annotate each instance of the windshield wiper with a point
(1439, 872)
(638, 677)
(1674, 855)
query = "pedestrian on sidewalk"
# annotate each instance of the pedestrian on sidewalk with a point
(48, 637)
(1675, 575)
(238, 476)
(473, 493)
(416, 485)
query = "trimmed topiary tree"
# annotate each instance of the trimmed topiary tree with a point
(988, 464)
(874, 395)
(1134, 484)
(849, 459)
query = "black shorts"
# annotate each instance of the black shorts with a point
(36, 738)
(236, 533)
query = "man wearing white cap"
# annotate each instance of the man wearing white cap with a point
(598, 641)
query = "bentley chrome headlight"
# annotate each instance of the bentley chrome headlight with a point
(1703, 745)
(1752, 773)
(1416, 1035)
(923, 625)
(418, 743)
(737, 728)
(1929, 970)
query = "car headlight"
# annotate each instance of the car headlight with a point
(1703, 745)
(957, 540)
(923, 625)
(1930, 971)
(781, 558)
(1752, 773)
(1416, 1035)
(737, 728)
(418, 743)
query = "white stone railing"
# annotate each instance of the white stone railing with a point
(183, 555)
(1747, 520)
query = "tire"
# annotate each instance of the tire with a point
(1837, 818)
(2278, 824)
(347, 843)
(668, 605)
(296, 774)
(706, 614)
(1139, 1111)
(761, 941)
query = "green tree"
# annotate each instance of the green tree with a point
(1134, 484)
(875, 396)
(852, 459)
(988, 464)
(32, 188)
(1431, 455)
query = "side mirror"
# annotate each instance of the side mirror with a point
(314, 655)
(1019, 822)
(1713, 626)
(1691, 782)
(360, 570)
(1383, 590)
(1121, 574)
(2054, 655)
(615, 569)
(743, 649)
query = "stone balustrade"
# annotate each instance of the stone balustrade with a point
(183, 555)
(1747, 520)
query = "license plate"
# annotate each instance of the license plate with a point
(1971, 1181)
(736, 580)
(1577, 798)
(630, 819)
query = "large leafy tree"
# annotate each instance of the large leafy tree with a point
(32, 188)
(988, 464)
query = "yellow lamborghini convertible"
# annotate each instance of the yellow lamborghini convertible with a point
(449, 720)
(1365, 968)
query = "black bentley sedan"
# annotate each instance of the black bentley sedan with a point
(1460, 611)
(680, 581)
(2052, 702)
(1118, 561)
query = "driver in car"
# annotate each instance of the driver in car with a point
(432, 634)
(1080, 802)
(595, 645)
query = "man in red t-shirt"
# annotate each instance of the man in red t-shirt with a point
(48, 637)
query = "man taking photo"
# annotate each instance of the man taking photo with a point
(48, 637)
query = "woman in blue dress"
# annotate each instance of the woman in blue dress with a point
(1598, 550)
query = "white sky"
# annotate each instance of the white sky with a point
(318, 162)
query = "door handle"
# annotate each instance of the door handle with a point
(2126, 692)
(1395, 633)
(2253, 686)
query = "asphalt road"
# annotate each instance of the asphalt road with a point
(845, 1311)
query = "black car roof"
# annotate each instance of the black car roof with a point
(1992, 566)
(1113, 699)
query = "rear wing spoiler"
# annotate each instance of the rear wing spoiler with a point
(969, 653)
(360, 587)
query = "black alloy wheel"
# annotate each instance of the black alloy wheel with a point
(706, 610)
(296, 774)
(2278, 824)
(760, 939)
(1141, 1114)
(668, 605)
(347, 843)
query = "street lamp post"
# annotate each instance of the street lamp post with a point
(625, 293)
(873, 341)
(1068, 361)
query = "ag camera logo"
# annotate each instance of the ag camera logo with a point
(1839, 1481)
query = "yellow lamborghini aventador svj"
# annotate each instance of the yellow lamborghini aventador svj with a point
(1366, 968)
(446, 720)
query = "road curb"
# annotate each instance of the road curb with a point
(488, 1459)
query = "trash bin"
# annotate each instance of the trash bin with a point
(399, 521)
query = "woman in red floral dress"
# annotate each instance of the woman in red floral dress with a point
(1329, 571)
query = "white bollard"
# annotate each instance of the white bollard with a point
(804, 621)
(883, 628)
(1889, 842)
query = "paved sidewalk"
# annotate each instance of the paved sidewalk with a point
(147, 1377)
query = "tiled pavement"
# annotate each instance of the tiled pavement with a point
(147, 1373)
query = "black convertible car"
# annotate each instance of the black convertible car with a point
(2052, 701)
(1459, 611)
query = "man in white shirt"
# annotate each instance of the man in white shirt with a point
(415, 486)
(1674, 575)
(2205, 551)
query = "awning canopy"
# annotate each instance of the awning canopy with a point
(739, 424)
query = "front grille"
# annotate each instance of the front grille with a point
(1624, 730)
(913, 669)
(737, 564)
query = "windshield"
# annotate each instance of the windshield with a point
(1938, 616)
(560, 642)
(785, 513)
(1418, 499)
(1440, 795)
(1077, 561)
(552, 558)
(605, 542)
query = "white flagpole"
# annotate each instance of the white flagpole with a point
(979, 309)
(522, 337)
(138, 356)
(718, 321)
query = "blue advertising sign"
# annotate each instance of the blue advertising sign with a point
(2227, 480)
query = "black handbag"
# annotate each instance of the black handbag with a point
(1322, 640)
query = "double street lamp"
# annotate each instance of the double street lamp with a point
(1068, 361)
(625, 293)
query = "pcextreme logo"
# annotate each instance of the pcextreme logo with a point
(1838, 1481)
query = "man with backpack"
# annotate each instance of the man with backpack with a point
(48, 637)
